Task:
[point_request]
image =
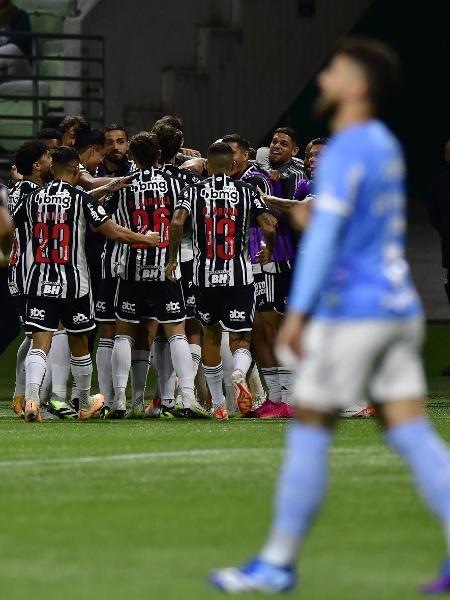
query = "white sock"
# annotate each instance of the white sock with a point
(45, 391)
(182, 363)
(121, 365)
(256, 386)
(196, 353)
(81, 367)
(272, 380)
(24, 348)
(242, 359)
(139, 370)
(227, 362)
(59, 359)
(214, 379)
(35, 367)
(162, 361)
(104, 369)
(285, 376)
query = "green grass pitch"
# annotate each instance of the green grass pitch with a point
(142, 510)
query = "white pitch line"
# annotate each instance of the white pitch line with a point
(365, 451)
(124, 457)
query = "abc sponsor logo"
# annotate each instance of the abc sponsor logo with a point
(191, 301)
(100, 306)
(237, 315)
(204, 316)
(80, 318)
(38, 314)
(173, 307)
(128, 307)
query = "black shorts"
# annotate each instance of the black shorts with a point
(76, 316)
(105, 303)
(264, 290)
(282, 285)
(232, 307)
(20, 300)
(187, 271)
(161, 301)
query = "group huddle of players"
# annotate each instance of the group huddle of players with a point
(175, 261)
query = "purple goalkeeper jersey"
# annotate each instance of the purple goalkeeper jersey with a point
(284, 249)
(303, 189)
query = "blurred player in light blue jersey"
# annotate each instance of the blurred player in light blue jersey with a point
(354, 318)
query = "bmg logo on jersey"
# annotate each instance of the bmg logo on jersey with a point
(173, 307)
(52, 290)
(157, 185)
(129, 307)
(80, 318)
(37, 314)
(237, 315)
(229, 193)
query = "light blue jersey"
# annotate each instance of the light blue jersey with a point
(351, 262)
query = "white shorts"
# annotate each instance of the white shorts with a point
(353, 361)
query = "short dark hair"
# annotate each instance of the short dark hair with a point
(237, 139)
(71, 121)
(49, 133)
(320, 141)
(169, 139)
(27, 154)
(86, 137)
(170, 120)
(380, 64)
(64, 156)
(144, 147)
(287, 131)
(116, 127)
(219, 149)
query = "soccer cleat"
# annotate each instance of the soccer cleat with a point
(153, 410)
(280, 411)
(104, 411)
(356, 411)
(116, 414)
(136, 412)
(167, 412)
(256, 576)
(220, 414)
(196, 411)
(32, 412)
(17, 404)
(441, 584)
(62, 410)
(244, 399)
(92, 411)
(261, 410)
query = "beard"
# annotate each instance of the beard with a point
(325, 108)
(115, 158)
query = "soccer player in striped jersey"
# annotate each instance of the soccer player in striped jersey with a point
(220, 210)
(170, 142)
(58, 283)
(33, 162)
(144, 295)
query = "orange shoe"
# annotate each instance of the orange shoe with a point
(220, 414)
(244, 398)
(18, 403)
(153, 409)
(32, 412)
(367, 412)
(96, 403)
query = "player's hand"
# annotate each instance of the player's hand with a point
(289, 342)
(274, 175)
(264, 255)
(118, 183)
(190, 152)
(170, 271)
(152, 238)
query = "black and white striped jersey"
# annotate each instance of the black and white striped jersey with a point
(147, 205)
(220, 210)
(187, 178)
(58, 215)
(19, 261)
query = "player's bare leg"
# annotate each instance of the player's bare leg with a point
(35, 367)
(183, 365)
